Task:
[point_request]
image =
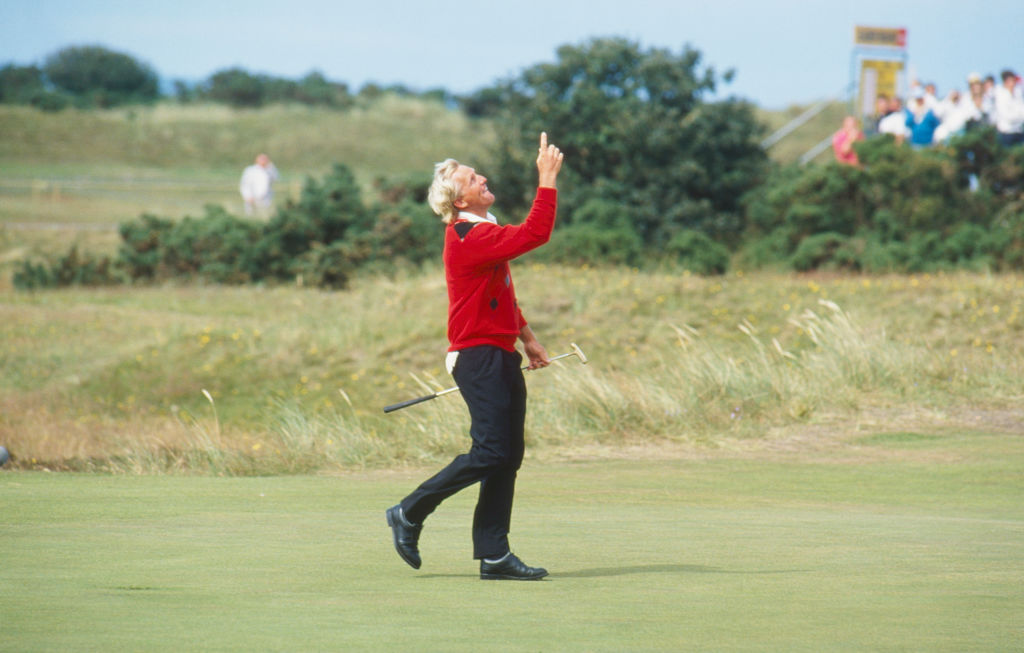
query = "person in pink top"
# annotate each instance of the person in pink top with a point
(843, 140)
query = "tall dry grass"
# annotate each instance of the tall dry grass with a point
(283, 380)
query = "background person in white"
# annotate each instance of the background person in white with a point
(257, 185)
(895, 122)
(1008, 112)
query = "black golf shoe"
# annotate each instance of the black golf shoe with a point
(406, 536)
(510, 568)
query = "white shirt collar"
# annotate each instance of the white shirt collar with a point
(472, 217)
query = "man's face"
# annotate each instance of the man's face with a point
(474, 196)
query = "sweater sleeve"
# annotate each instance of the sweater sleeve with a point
(489, 244)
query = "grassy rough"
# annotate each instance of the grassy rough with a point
(114, 379)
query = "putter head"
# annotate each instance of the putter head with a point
(579, 352)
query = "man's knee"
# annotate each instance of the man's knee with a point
(490, 459)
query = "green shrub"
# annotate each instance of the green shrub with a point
(326, 212)
(817, 250)
(33, 275)
(216, 247)
(323, 237)
(140, 252)
(696, 252)
(72, 269)
(1008, 236)
(904, 210)
(883, 255)
(327, 266)
(406, 233)
(592, 244)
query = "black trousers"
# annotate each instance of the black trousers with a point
(491, 382)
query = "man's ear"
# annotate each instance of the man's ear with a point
(460, 203)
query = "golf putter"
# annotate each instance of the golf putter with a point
(576, 351)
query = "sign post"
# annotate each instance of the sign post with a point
(878, 66)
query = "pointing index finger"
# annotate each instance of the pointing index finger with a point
(543, 140)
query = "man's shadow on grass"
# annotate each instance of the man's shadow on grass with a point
(601, 572)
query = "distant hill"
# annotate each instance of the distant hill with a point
(386, 136)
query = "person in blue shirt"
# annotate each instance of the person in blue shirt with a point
(921, 122)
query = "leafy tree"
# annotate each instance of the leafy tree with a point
(638, 136)
(315, 89)
(19, 84)
(236, 87)
(99, 77)
(240, 88)
(27, 85)
(184, 92)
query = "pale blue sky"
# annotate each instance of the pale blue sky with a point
(784, 52)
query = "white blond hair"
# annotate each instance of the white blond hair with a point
(444, 190)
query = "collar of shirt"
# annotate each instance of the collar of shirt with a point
(472, 217)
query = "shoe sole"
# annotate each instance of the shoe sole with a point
(504, 577)
(394, 539)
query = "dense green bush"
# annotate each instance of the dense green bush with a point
(216, 247)
(903, 210)
(326, 212)
(322, 239)
(75, 268)
(695, 251)
(140, 253)
(327, 266)
(599, 231)
(588, 243)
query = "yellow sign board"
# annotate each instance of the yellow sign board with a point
(878, 77)
(888, 37)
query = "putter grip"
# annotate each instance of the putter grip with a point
(408, 402)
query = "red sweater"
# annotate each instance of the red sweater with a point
(482, 308)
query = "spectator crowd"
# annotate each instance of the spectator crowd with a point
(927, 120)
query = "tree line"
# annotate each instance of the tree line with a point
(90, 77)
(661, 175)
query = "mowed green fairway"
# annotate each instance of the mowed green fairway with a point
(892, 541)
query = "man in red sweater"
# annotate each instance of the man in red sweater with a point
(484, 322)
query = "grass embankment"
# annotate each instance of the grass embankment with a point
(905, 542)
(73, 176)
(379, 137)
(113, 379)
